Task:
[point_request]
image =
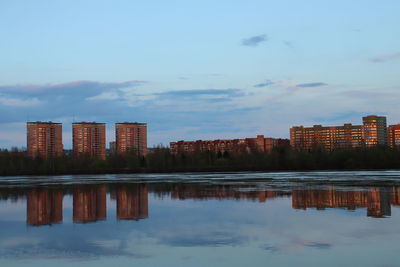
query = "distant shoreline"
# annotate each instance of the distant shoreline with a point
(185, 171)
(162, 161)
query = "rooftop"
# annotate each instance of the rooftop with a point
(134, 123)
(42, 122)
(86, 122)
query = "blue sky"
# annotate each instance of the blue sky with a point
(197, 69)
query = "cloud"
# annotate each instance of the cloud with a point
(318, 245)
(269, 248)
(308, 85)
(88, 88)
(104, 96)
(184, 93)
(384, 58)
(264, 84)
(288, 43)
(255, 40)
(17, 102)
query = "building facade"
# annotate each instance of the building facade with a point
(328, 137)
(394, 135)
(371, 133)
(44, 139)
(260, 144)
(131, 138)
(89, 138)
(374, 130)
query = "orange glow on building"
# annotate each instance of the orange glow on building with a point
(131, 138)
(89, 138)
(394, 135)
(371, 133)
(259, 143)
(374, 130)
(44, 139)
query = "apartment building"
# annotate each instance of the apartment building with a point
(131, 137)
(89, 138)
(371, 133)
(327, 137)
(44, 139)
(393, 133)
(374, 130)
(260, 143)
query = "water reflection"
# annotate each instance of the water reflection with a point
(89, 203)
(45, 205)
(149, 223)
(376, 200)
(132, 202)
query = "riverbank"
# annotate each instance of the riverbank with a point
(162, 161)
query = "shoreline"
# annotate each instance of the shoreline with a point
(186, 171)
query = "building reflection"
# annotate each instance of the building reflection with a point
(395, 196)
(378, 203)
(89, 203)
(223, 192)
(44, 207)
(376, 200)
(132, 202)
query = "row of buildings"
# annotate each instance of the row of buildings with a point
(373, 132)
(260, 143)
(44, 139)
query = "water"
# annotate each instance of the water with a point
(206, 219)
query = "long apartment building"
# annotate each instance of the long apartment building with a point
(44, 139)
(373, 132)
(89, 138)
(131, 138)
(394, 135)
(260, 143)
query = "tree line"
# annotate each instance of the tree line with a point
(15, 162)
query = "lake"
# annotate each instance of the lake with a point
(202, 219)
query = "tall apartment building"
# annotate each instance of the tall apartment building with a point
(374, 130)
(260, 143)
(371, 133)
(131, 137)
(44, 139)
(394, 135)
(89, 138)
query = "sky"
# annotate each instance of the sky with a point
(197, 69)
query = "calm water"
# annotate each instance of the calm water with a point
(230, 219)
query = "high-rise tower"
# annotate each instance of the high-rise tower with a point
(374, 130)
(44, 139)
(89, 138)
(131, 138)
